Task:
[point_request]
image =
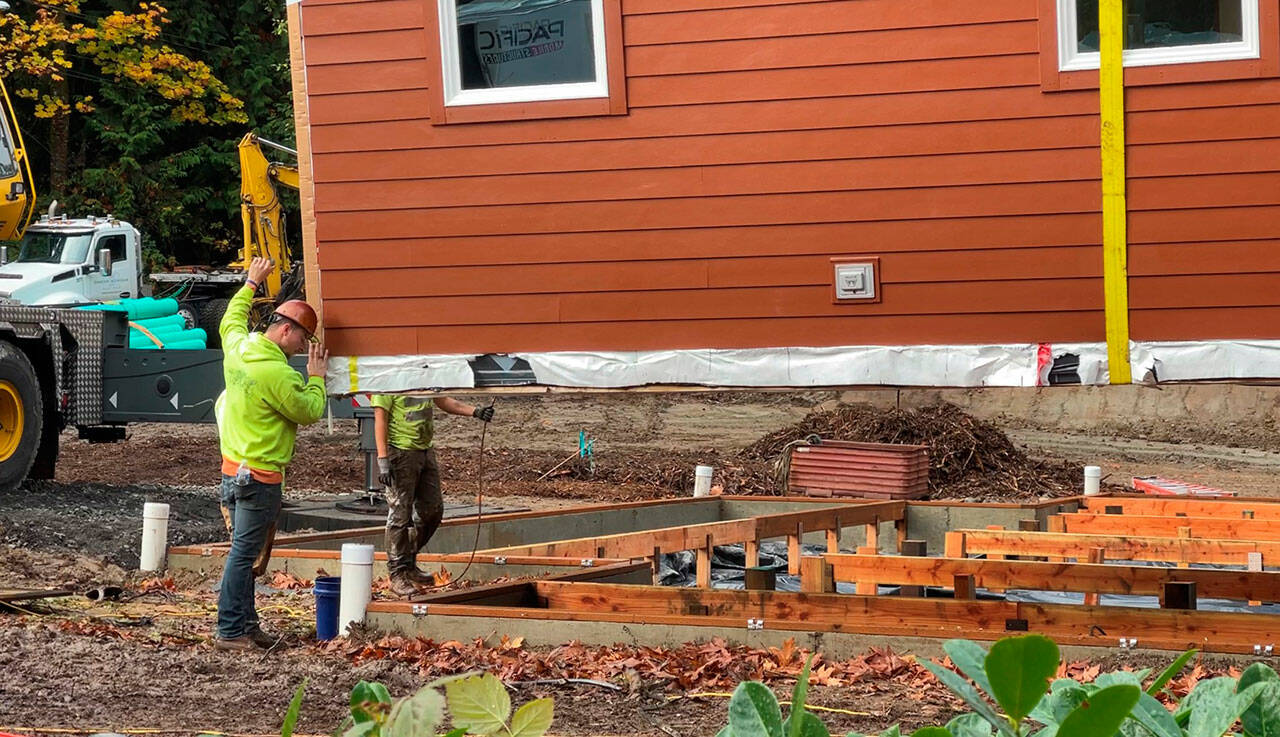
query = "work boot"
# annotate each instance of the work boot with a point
(237, 644)
(402, 585)
(263, 639)
(421, 577)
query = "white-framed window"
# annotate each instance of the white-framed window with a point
(502, 51)
(1161, 32)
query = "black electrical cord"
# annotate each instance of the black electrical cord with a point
(475, 544)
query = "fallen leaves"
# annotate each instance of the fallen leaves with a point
(707, 665)
(284, 580)
(155, 583)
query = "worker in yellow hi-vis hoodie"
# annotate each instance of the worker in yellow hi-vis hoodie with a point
(258, 416)
(407, 468)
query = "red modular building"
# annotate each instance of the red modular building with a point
(779, 192)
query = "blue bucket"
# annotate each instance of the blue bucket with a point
(327, 590)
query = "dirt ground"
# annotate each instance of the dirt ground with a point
(146, 663)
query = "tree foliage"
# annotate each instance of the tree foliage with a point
(134, 109)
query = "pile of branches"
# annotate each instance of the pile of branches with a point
(967, 456)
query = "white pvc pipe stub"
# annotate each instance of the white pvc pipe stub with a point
(1092, 480)
(702, 480)
(357, 584)
(155, 536)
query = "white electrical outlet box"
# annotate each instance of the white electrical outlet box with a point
(855, 280)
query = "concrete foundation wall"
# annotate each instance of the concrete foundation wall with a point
(309, 568)
(932, 522)
(459, 536)
(837, 645)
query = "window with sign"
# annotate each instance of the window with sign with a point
(1161, 32)
(503, 51)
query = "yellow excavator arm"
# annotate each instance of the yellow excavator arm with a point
(17, 195)
(260, 179)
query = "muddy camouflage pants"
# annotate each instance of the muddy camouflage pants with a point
(415, 488)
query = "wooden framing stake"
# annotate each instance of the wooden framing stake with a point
(873, 534)
(867, 588)
(1254, 563)
(1178, 595)
(1096, 555)
(963, 584)
(761, 579)
(953, 545)
(816, 575)
(794, 541)
(900, 531)
(913, 549)
(704, 564)
(752, 549)
(996, 556)
(833, 538)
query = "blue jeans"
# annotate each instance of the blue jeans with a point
(252, 507)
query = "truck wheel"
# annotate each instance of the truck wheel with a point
(21, 416)
(209, 316)
(190, 314)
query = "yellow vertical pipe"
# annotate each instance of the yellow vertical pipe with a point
(1115, 261)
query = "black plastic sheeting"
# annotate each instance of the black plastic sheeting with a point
(728, 572)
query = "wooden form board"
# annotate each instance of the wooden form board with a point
(694, 537)
(1041, 576)
(1226, 508)
(1229, 632)
(1163, 526)
(962, 543)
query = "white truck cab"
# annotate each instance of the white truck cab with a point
(63, 262)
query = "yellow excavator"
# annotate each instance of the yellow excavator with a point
(203, 293)
(15, 176)
(260, 206)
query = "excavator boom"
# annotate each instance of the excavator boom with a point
(260, 207)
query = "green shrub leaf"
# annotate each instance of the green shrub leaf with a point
(810, 725)
(931, 732)
(1150, 718)
(1214, 705)
(1101, 714)
(291, 714)
(479, 703)
(971, 659)
(1019, 669)
(754, 711)
(369, 701)
(793, 726)
(417, 715)
(960, 687)
(969, 725)
(360, 729)
(1064, 696)
(1262, 718)
(1168, 673)
(533, 719)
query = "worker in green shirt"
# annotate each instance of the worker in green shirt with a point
(408, 470)
(258, 416)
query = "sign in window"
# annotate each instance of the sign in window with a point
(497, 51)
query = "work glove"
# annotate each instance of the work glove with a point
(484, 414)
(384, 472)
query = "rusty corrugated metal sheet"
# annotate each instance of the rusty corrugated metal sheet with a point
(869, 470)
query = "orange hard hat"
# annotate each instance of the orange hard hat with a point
(301, 313)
